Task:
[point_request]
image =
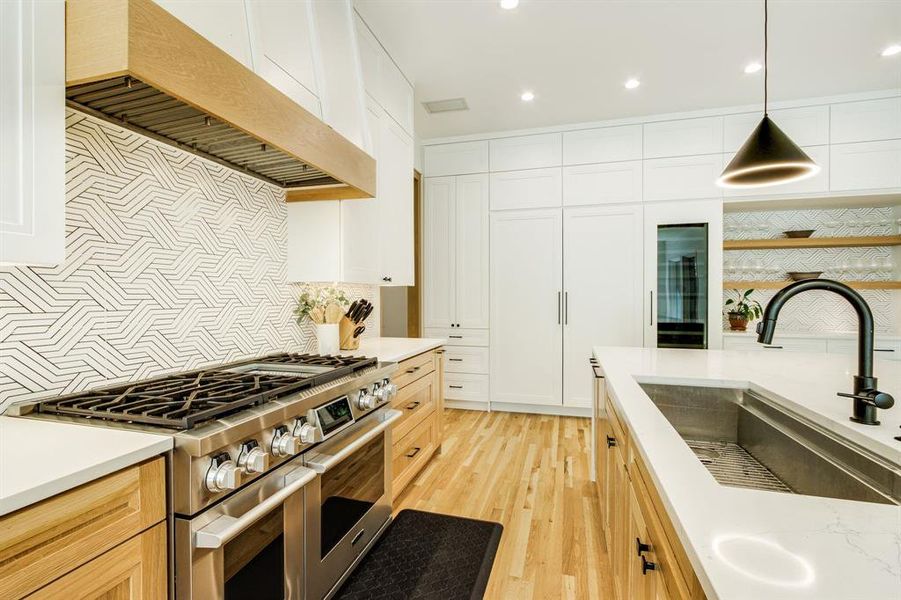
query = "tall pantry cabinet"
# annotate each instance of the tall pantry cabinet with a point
(455, 268)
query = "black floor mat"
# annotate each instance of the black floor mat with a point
(426, 556)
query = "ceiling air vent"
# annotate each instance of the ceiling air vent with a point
(440, 106)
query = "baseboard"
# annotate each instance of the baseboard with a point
(466, 405)
(540, 409)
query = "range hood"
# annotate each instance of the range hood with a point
(132, 62)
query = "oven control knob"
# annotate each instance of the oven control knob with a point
(283, 443)
(386, 392)
(253, 459)
(365, 400)
(223, 474)
(306, 432)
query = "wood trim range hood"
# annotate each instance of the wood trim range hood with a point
(132, 62)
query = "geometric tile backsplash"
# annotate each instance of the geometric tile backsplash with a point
(816, 312)
(173, 262)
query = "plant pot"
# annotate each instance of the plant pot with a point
(738, 322)
(327, 338)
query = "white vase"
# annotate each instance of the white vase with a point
(327, 337)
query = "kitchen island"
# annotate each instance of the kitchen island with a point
(745, 543)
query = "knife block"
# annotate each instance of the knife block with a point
(346, 329)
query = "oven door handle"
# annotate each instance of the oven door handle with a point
(221, 530)
(321, 461)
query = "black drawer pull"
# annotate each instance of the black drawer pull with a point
(647, 565)
(455, 359)
(414, 453)
(455, 337)
(357, 537)
(455, 387)
(883, 349)
(412, 405)
(641, 548)
(414, 369)
(611, 441)
(773, 347)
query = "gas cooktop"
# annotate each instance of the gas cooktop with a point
(184, 400)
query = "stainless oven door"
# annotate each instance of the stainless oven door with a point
(349, 504)
(250, 545)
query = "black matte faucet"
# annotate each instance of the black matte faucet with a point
(866, 397)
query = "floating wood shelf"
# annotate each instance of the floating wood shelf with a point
(814, 242)
(778, 285)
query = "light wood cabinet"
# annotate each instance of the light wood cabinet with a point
(417, 435)
(32, 132)
(228, 30)
(59, 536)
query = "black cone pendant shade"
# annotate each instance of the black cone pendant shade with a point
(768, 157)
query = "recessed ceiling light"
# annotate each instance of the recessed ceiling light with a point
(509, 4)
(527, 96)
(753, 67)
(892, 50)
(631, 84)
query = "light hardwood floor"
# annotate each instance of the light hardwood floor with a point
(529, 473)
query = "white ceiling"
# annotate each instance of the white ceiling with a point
(576, 54)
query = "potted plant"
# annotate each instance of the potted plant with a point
(742, 310)
(324, 306)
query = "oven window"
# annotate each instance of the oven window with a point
(255, 561)
(349, 490)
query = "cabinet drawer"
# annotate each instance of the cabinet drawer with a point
(618, 429)
(44, 541)
(414, 368)
(412, 452)
(416, 401)
(135, 569)
(466, 360)
(460, 337)
(462, 386)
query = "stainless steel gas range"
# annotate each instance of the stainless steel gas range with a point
(280, 478)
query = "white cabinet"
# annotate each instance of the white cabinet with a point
(314, 243)
(683, 137)
(282, 44)
(787, 344)
(883, 349)
(340, 76)
(371, 53)
(526, 152)
(455, 159)
(222, 22)
(602, 289)
(469, 387)
(604, 183)
(866, 121)
(533, 188)
(605, 144)
(865, 165)
(394, 171)
(455, 252)
(813, 185)
(806, 126)
(32, 132)
(459, 359)
(526, 307)
(383, 79)
(683, 178)
(459, 337)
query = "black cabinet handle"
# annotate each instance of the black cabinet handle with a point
(386, 279)
(414, 369)
(640, 547)
(773, 347)
(647, 565)
(455, 337)
(414, 453)
(883, 349)
(455, 387)
(412, 405)
(455, 359)
(611, 441)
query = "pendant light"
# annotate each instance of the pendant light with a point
(768, 157)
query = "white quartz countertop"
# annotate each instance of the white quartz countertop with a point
(39, 459)
(749, 544)
(393, 349)
(852, 335)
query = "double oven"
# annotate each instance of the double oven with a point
(299, 529)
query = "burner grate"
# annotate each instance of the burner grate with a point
(184, 400)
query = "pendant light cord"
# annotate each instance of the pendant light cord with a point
(766, 66)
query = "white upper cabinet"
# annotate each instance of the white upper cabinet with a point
(683, 137)
(604, 183)
(439, 226)
(340, 76)
(314, 246)
(817, 183)
(865, 165)
(383, 79)
(222, 22)
(533, 188)
(472, 251)
(605, 144)
(282, 43)
(455, 159)
(866, 121)
(683, 178)
(395, 193)
(526, 152)
(32, 132)
(806, 126)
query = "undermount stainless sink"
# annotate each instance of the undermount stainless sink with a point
(746, 441)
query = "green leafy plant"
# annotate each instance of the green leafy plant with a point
(744, 306)
(314, 297)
